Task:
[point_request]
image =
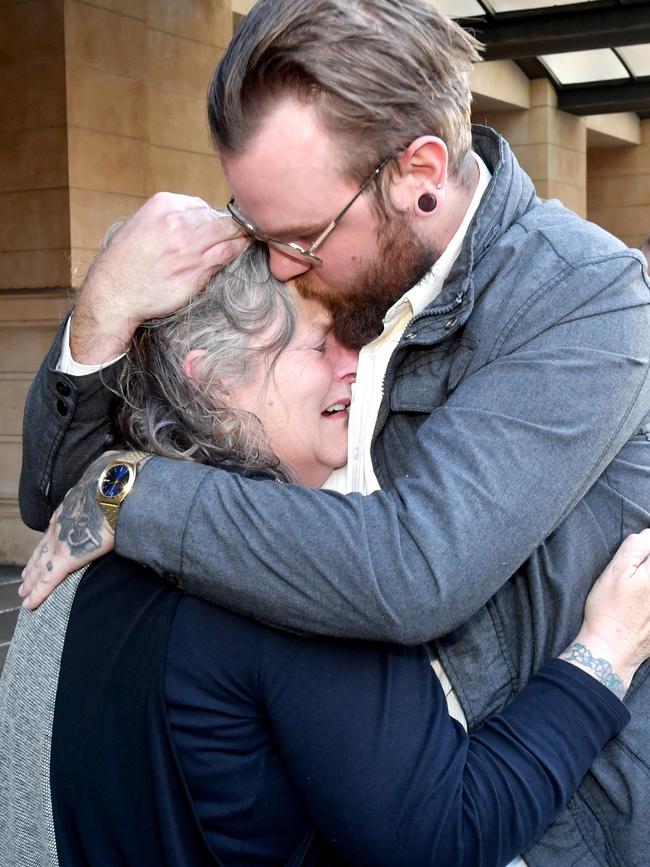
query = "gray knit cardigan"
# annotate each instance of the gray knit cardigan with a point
(28, 687)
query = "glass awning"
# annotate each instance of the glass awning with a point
(542, 38)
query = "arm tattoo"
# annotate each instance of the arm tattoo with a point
(601, 668)
(81, 519)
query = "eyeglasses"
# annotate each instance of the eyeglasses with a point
(304, 254)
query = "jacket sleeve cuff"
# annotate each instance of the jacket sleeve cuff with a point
(86, 398)
(67, 364)
(142, 534)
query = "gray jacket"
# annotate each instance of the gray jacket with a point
(513, 441)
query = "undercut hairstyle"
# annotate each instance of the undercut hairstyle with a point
(379, 73)
(243, 318)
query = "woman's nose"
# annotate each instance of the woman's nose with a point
(346, 363)
(285, 267)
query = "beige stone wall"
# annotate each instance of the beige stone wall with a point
(34, 209)
(102, 104)
(28, 321)
(618, 189)
(136, 76)
(34, 225)
(551, 146)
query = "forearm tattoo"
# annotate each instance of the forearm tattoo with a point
(601, 668)
(81, 519)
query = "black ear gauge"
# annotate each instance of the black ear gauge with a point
(427, 203)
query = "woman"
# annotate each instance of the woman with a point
(174, 732)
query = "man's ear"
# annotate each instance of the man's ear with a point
(190, 363)
(423, 178)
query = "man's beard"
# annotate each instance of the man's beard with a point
(358, 310)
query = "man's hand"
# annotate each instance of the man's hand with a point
(78, 534)
(159, 258)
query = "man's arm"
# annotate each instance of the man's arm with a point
(493, 473)
(152, 265)
(68, 423)
(363, 729)
(365, 733)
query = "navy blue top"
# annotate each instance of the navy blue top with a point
(187, 735)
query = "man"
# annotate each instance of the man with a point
(503, 409)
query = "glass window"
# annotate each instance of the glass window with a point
(577, 67)
(637, 58)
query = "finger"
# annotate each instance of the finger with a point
(190, 203)
(218, 257)
(189, 235)
(32, 569)
(181, 226)
(48, 578)
(168, 202)
(30, 577)
(213, 230)
(208, 273)
(633, 551)
(221, 254)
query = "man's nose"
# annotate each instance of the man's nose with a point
(285, 267)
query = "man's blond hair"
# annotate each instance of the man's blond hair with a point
(379, 72)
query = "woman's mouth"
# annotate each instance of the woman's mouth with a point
(337, 410)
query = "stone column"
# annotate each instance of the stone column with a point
(136, 76)
(619, 188)
(102, 103)
(551, 146)
(34, 226)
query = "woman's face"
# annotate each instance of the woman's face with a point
(303, 402)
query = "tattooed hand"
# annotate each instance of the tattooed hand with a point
(615, 636)
(78, 533)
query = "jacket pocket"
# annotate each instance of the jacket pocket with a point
(426, 377)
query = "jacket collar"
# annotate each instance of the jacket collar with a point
(509, 195)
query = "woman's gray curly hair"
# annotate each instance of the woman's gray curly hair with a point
(244, 317)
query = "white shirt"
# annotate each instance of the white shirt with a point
(67, 364)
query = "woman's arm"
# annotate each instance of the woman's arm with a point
(391, 779)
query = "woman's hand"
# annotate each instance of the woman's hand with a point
(78, 534)
(615, 636)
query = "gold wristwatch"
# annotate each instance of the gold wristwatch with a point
(116, 482)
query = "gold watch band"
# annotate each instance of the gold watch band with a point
(137, 458)
(111, 511)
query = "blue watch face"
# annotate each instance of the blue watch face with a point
(115, 480)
